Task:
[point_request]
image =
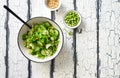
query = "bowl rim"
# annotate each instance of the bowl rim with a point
(23, 52)
(78, 22)
(54, 8)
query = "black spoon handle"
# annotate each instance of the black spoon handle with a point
(8, 9)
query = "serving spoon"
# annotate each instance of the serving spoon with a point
(8, 9)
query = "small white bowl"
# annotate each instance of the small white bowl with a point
(24, 29)
(75, 25)
(54, 8)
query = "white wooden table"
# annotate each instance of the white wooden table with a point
(94, 53)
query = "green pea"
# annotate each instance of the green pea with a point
(72, 18)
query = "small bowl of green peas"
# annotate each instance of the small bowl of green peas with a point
(72, 19)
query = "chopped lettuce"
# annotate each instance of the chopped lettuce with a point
(42, 40)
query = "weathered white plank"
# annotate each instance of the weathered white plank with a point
(40, 70)
(86, 41)
(64, 66)
(17, 62)
(110, 39)
(2, 39)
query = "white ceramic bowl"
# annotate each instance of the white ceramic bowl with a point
(78, 22)
(54, 8)
(24, 29)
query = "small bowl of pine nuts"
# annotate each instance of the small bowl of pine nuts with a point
(53, 4)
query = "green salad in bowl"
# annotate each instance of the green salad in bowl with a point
(42, 42)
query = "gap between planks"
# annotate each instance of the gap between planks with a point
(7, 42)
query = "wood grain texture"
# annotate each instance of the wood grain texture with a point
(64, 66)
(99, 40)
(2, 39)
(109, 28)
(17, 62)
(87, 40)
(40, 70)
